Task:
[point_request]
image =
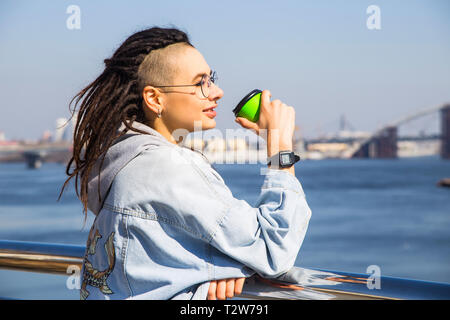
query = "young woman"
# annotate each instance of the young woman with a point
(166, 225)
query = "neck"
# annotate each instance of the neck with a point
(159, 126)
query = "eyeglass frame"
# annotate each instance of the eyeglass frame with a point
(212, 78)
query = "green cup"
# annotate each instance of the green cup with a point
(249, 106)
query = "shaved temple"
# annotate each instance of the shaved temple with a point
(160, 66)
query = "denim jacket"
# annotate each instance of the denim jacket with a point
(166, 223)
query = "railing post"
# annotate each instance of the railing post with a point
(445, 132)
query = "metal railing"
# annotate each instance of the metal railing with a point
(39, 257)
(302, 283)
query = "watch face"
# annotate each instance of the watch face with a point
(285, 158)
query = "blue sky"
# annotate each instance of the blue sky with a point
(317, 56)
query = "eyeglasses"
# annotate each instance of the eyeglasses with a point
(205, 83)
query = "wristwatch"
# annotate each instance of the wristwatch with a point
(283, 159)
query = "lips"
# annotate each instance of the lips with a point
(210, 111)
(210, 108)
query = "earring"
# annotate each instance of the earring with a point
(159, 114)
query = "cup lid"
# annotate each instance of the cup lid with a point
(244, 100)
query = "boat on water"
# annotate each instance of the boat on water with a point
(298, 284)
(444, 182)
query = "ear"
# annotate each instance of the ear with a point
(152, 99)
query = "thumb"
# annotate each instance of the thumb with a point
(247, 124)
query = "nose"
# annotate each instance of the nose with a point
(215, 93)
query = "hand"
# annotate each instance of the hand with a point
(225, 288)
(277, 119)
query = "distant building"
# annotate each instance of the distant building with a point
(46, 136)
(418, 148)
(61, 126)
(328, 150)
(345, 134)
(6, 145)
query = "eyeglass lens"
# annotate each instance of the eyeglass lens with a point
(206, 83)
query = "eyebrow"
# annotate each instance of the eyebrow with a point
(201, 74)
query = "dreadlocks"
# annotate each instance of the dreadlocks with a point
(115, 98)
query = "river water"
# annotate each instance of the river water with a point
(388, 213)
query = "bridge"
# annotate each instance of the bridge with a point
(55, 152)
(35, 154)
(383, 143)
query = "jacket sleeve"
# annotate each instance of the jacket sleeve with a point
(266, 238)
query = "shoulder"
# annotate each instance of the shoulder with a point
(166, 165)
(172, 168)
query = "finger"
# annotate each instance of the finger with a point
(212, 290)
(238, 285)
(277, 102)
(247, 124)
(230, 288)
(220, 291)
(265, 97)
(292, 109)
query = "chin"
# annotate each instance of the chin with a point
(210, 124)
